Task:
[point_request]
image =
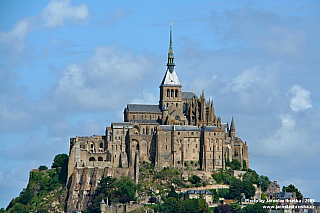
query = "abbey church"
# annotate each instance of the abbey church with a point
(182, 131)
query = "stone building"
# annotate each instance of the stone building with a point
(182, 131)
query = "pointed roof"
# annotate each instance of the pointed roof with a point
(232, 127)
(170, 78)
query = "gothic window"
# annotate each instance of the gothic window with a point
(172, 93)
(100, 159)
(168, 93)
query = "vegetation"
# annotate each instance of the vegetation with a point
(292, 188)
(257, 207)
(113, 191)
(176, 206)
(45, 187)
(223, 177)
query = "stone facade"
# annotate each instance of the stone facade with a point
(181, 132)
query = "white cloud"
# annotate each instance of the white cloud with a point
(59, 11)
(15, 37)
(301, 98)
(56, 13)
(107, 80)
(146, 97)
(111, 19)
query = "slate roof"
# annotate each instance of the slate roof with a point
(145, 121)
(180, 128)
(121, 124)
(187, 95)
(170, 78)
(143, 108)
(212, 129)
(204, 192)
(285, 195)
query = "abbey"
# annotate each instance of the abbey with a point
(182, 131)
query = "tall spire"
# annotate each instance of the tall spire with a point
(170, 52)
(232, 128)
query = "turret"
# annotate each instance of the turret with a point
(232, 129)
(170, 88)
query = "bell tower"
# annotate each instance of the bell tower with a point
(170, 88)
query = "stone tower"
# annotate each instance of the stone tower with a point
(170, 88)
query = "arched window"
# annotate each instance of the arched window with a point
(100, 158)
(172, 93)
(92, 146)
(101, 145)
(176, 93)
(168, 93)
(92, 159)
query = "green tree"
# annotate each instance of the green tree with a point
(235, 164)
(59, 160)
(171, 204)
(194, 179)
(254, 208)
(292, 188)
(251, 176)
(264, 182)
(190, 205)
(125, 187)
(223, 208)
(244, 165)
(26, 196)
(18, 208)
(235, 189)
(42, 168)
(248, 189)
(173, 193)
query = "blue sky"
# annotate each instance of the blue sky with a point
(68, 68)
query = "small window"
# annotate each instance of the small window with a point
(166, 146)
(191, 133)
(101, 145)
(92, 146)
(187, 133)
(165, 132)
(178, 133)
(133, 117)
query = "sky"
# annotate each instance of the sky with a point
(68, 68)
